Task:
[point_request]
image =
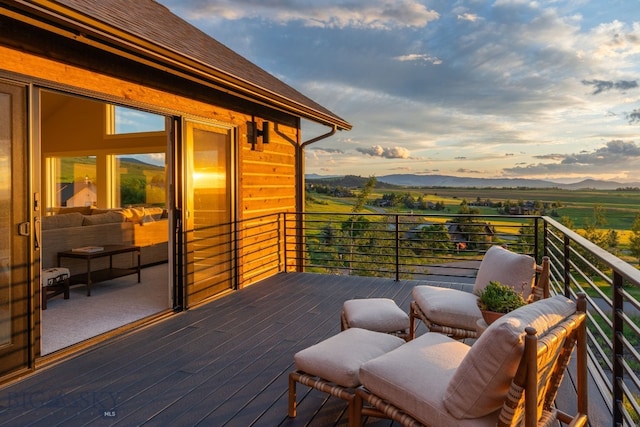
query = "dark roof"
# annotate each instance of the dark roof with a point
(149, 29)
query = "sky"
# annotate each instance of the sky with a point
(475, 88)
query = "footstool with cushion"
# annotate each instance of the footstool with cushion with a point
(375, 314)
(332, 365)
(55, 281)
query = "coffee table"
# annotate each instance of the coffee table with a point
(104, 274)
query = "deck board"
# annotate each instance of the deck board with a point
(222, 363)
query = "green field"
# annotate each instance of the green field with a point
(620, 207)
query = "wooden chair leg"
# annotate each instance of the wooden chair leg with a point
(292, 395)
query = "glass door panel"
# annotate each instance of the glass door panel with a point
(14, 232)
(209, 229)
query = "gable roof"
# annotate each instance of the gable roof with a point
(147, 30)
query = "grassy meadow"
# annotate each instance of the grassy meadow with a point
(620, 207)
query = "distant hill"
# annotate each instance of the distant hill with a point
(410, 180)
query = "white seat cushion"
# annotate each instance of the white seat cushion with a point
(450, 307)
(414, 377)
(481, 382)
(375, 314)
(54, 276)
(508, 268)
(338, 358)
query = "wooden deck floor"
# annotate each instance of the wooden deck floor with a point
(225, 363)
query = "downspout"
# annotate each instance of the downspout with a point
(300, 187)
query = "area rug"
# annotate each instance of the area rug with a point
(112, 304)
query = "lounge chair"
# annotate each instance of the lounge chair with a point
(455, 312)
(510, 376)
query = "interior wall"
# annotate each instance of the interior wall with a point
(73, 124)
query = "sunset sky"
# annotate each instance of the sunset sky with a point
(530, 89)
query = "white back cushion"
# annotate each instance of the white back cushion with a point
(508, 268)
(481, 382)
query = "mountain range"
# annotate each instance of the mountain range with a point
(411, 180)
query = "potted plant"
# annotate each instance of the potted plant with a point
(497, 299)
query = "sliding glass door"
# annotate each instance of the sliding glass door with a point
(208, 216)
(15, 231)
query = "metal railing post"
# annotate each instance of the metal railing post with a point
(618, 349)
(567, 265)
(536, 240)
(397, 248)
(286, 259)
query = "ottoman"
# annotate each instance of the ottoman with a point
(375, 314)
(55, 281)
(332, 365)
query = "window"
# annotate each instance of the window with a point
(73, 181)
(122, 120)
(140, 180)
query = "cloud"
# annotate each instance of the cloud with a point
(603, 85)
(616, 155)
(387, 153)
(446, 79)
(372, 14)
(463, 170)
(469, 17)
(419, 57)
(328, 150)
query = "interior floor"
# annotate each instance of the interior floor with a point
(112, 304)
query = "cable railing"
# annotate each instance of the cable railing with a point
(405, 246)
(578, 265)
(450, 247)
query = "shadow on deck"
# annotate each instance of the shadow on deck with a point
(223, 363)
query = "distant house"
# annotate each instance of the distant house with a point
(470, 232)
(460, 235)
(90, 83)
(75, 194)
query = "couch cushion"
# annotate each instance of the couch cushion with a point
(338, 358)
(508, 268)
(104, 218)
(84, 210)
(98, 211)
(414, 377)
(481, 382)
(375, 314)
(133, 214)
(73, 219)
(446, 306)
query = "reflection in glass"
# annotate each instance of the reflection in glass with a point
(5, 219)
(138, 183)
(73, 181)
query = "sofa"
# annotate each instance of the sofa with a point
(70, 228)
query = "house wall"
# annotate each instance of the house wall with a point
(266, 179)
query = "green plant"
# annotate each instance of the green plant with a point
(499, 298)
